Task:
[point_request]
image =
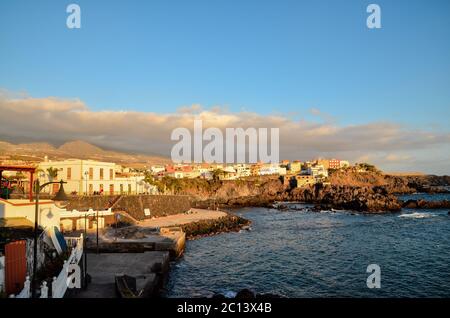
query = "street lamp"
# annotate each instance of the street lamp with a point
(60, 201)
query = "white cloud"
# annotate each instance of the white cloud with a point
(56, 120)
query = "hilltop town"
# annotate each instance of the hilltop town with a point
(92, 173)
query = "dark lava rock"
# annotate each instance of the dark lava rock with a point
(282, 207)
(423, 204)
(245, 294)
(267, 296)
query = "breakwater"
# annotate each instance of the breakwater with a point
(229, 223)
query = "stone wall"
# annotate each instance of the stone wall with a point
(134, 205)
(158, 205)
(95, 202)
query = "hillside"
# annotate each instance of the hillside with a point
(74, 149)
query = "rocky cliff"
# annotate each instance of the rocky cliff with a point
(368, 192)
(236, 194)
(392, 183)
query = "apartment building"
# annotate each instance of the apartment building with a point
(243, 170)
(295, 167)
(334, 164)
(317, 171)
(304, 180)
(88, 177)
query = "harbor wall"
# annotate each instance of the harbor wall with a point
(139, 207)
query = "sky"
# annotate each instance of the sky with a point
(311, 64)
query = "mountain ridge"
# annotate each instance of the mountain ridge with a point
(79, 149)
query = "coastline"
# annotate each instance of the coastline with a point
(369, 192)
(293, 228)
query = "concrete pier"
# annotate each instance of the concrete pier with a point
(142, 251)
(149, 268)
(136, 239)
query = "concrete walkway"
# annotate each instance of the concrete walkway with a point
(104, 267)
(180, 219)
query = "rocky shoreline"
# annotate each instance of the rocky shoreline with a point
(369, 193)
(361, 199)
(423, 204)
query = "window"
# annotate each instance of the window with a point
(91, 173)
(129, 188)
(101, 188)
(111, 174)
(121, 188)
(69, 173)
(101, 173)
(111, 189)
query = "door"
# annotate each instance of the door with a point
(15, 266)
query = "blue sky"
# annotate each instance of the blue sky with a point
(263, 56)
(268, 57)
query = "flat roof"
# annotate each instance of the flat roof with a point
(20, 202)
(17, 168)
(16, 222)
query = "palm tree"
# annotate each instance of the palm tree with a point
(52, 175)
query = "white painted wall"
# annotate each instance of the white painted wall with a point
(68, 226)
(49, 213)
(82, 184)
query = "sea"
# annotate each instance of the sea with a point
(295, 253)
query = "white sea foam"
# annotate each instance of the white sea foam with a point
(230, 294)
(417, 215)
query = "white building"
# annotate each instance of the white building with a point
(270, 169)
(282, 171)
(48, 213)
(344, 164)
(157, 169)
(176, 174)
(229, 173)
(317, 171)
(89, 176)
(242, 170)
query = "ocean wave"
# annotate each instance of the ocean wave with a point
(417, 215)
(230, 294)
